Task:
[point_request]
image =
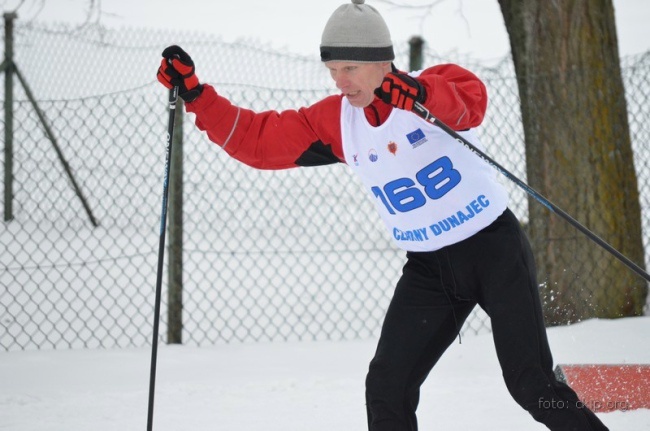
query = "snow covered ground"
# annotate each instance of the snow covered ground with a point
(286, 386)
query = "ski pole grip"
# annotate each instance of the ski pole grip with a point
(173, 92)
(173, 97)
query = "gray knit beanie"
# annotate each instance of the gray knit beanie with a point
(356, 32)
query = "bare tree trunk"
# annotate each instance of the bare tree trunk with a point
(578, 154)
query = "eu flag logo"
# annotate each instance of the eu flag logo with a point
(416, 138)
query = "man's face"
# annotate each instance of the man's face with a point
(357, 81)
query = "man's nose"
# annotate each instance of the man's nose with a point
(341, 82)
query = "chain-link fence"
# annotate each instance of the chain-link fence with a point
(286, 255)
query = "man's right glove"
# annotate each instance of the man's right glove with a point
(401, 91)
(177, 70)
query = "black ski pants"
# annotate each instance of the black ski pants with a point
(437, 291)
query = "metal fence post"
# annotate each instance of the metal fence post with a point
(175, 278)
(8, 66)
(416, 43)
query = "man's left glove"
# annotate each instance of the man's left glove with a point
(401, 91)
(177, 70)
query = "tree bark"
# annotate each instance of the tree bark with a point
(578, 155)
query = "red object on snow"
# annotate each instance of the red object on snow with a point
(606, 388)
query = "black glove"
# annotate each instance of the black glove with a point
(177, 70)
(401, 91)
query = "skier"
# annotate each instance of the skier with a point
(441, 204)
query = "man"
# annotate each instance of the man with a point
(440, 202)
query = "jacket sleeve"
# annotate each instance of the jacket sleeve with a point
(454, 95)
(309, 136)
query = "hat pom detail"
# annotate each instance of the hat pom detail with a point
(358, 1)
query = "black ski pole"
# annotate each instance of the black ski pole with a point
(424, 113)
(173, 96)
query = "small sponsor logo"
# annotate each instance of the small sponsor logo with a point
(372, 155)
(416, 138)
(392, 148)
(355, 158)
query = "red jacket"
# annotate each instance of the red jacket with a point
(311, 136)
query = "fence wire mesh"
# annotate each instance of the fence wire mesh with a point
(287, 255)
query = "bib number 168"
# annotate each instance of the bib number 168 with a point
(403, 194)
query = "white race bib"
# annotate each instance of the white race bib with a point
(429, 189)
